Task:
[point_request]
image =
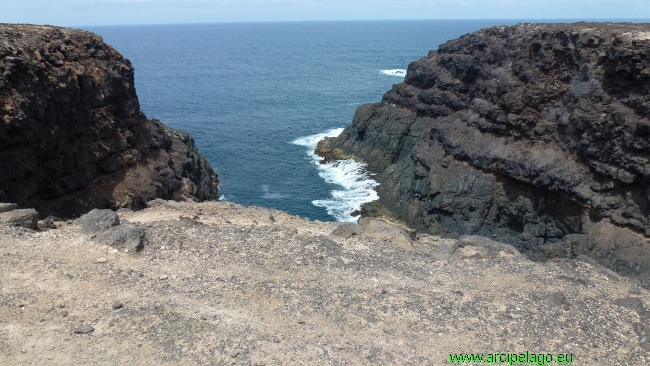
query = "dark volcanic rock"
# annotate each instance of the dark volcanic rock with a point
(96, 221)
(72, 136)
(104, 227)
(536, 135)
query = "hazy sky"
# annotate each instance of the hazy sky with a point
(106, 12)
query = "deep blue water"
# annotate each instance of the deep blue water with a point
(246, 91)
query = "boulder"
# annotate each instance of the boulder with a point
(6, 207)
(97, 221)
(125, 236)
(26, 218)
(378, 228)
(346, 230)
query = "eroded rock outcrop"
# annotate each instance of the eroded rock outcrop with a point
(72, 136)
(534, 134)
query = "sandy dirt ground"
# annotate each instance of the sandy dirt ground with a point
(222, 284)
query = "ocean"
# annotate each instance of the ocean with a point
(257, 97)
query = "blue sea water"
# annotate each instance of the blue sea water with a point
(257, 97)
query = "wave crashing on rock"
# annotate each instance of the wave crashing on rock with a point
(358, 186)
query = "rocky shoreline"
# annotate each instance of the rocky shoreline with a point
(72, 136)
(533, 134)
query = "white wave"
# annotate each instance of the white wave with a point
(270, 195)
(394, 72)
(358, 186)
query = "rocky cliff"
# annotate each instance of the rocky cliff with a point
(534, 134)
(72, 136)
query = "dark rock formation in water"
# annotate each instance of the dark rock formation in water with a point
(72, 136)
(537, 135)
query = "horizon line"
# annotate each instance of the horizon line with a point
(520, 20)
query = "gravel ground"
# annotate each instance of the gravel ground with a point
(221, 284)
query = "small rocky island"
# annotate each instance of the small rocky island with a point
(536, 135)
(147, 276)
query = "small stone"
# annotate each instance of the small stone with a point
(101, 260)
(276, 339)
(84, 329)
(234, 353)
(117, 305)
(126, 250)
(48, 223)
(635, 291)
(164, 277)
(301, 320)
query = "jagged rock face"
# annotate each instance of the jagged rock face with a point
(72, 136)
(537, 135)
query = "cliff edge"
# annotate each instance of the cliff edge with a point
(72, 136)
(216, 283)
(536, 135)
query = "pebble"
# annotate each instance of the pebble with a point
(64, 313)
(164, 277)
(635, 291)
(234, 353)
(117, 305)
(101, 260)
(301, 320)
(276, 340)
(84, 329)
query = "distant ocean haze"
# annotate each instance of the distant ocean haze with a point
(257, 97)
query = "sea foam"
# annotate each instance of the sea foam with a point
(395, 72)
(357, 185)
(271, 195)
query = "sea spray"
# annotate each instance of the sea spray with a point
(394, 72)
(358, 186)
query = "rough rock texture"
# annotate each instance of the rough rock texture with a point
(26, 217)
(537, 135)
(231, 286)
(72, 136)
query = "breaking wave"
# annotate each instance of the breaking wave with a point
(357, 185)
(394, 72)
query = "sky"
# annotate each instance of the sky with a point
(72, 13)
